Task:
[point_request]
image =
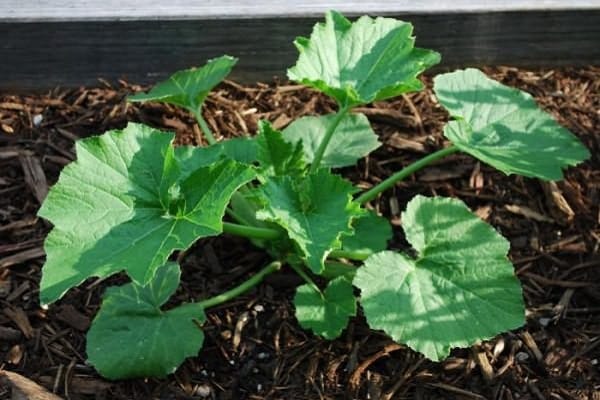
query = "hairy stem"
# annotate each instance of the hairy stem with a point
(241, 288)
(328, 134)
(252, 232)
(403, 173)
(208, 135)
(307, 279)
(351, 255)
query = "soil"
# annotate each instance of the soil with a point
(254, 348)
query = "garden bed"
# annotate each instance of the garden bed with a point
(254, 347)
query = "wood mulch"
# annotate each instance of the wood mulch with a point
(254, 348)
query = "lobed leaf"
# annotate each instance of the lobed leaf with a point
(123, 205)
(353, 138)
(190, 87)
(132, 337)
(361, 62)
(327, 313)
(275, 155)
(460, 289)
(315, 210)
(504, 127)
(371, 234)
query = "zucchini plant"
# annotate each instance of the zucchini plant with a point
(132, 200)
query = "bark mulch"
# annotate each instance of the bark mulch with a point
(254, 348)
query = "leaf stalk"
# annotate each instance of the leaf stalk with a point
(241, 288)
(208, 135)
(327, 138)
(405, 172)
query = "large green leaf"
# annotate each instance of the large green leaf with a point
(275, 155)
(190, 87)
(121, 206)
(315, 210)
(504, 127)
(360, 62)
(371, 234)
(353, 138)
(327, 313)
(460, 289)
(132, 337)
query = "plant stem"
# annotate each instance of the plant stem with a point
(252, 232)
(403, 173)
(304, 275)
(351, 255)
(328, 134)
(208, 135)
(241, 288)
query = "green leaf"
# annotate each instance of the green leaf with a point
(459, 290)
(504, 127)
(327, 313)
(353, 138)
(241, 149)
(121, 206)
(315, 210)
(190, 87)
(131, 337)
(358, 63)
(371, 234)
(275, 155)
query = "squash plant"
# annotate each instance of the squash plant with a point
(132, 199)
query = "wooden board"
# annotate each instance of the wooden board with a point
(70, 49)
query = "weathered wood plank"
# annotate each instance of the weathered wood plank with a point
(41, 55)
(80, 10)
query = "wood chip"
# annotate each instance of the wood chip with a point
(528, 213)
(401, 143)
(21, 257)
(25, 389)
(72, 317)
(558, 206)
(34, 176)
(18, 316)
(484, 364)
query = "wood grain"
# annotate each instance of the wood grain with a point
(42, 55)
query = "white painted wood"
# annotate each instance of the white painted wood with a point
(98, 10)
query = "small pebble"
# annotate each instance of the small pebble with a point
(262, 356)
(259, 308)
(258, 387)
(544, 321)
(203, 390)
(37, 119)
(522, 356)
(595, 361)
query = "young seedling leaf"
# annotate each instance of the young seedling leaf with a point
(190, 87)
(275, 155)
(121, 206)
(504, 127)
(353, 138)
(358, 63)
(460, 289)
(327, 313)
(315, 210)
(131, 337)
(371, 234)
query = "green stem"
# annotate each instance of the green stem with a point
(208, 135)
(328, 134)
(241, 288)
(403, 173)
(351, 255)
(252, 232)
(304, 275)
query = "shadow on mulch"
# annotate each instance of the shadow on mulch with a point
(254, 348)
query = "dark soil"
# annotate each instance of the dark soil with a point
(254, 348)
